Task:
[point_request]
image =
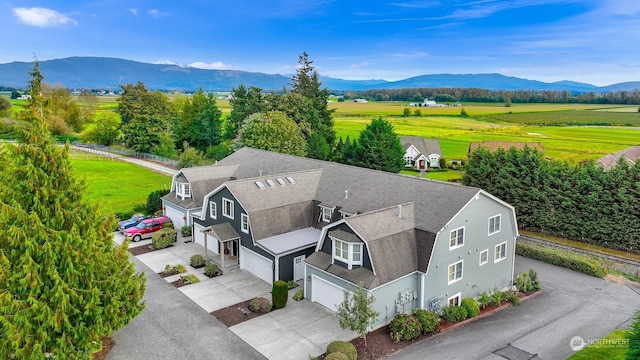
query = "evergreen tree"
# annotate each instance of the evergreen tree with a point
(199, 121)
(64, 285)
(306, 82)
(379, 147)
(633, 335)
(244, 102)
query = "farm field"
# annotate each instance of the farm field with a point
(116, 185)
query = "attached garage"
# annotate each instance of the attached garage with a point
(325, 293)
(198, 238)
(175, 215)
(256, 264)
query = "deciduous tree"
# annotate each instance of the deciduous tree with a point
(356, 311)
(272, 131)
(64, 285)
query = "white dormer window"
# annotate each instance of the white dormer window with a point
(347, 252)
(327, 212)
(183, 190)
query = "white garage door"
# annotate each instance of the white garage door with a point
(198, 238)
(256, 264)
(175, 215)
(326, 293)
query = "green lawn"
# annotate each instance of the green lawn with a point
(611, 347)
(118, 186)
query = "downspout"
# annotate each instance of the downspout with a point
(276, 264)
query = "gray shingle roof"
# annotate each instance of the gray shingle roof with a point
(631, 154)
(202, 179)
(424, 146)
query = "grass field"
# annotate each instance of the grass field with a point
(612, 346)
(116, 185)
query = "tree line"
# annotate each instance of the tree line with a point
(580, 202)
(452, 95)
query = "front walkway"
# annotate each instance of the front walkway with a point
(301, 329)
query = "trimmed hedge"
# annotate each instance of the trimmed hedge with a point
(336, 356)
(163, 238)
(196, 261)
(260, 304)
(562, 258)
(471, 306)
(279, 294)
(343, 347)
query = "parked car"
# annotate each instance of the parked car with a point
(131, 222)
(147, 227)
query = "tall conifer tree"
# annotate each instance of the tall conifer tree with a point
(63, 285)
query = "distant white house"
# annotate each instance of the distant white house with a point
(24, 97)
(427, 103)
(360, 101)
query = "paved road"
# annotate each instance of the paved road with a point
(571, 304)
(174, 327)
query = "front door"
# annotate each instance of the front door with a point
(298, 267)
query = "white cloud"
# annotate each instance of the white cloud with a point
(154, 12)
(216, 65)
(359, 65)
(133, 11)
(168, 62)
(42, 17)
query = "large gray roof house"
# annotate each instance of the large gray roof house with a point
(410, 242)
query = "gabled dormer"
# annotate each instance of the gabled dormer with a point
(182, 187)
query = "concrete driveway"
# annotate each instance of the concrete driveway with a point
(571, 304)
(301, 329)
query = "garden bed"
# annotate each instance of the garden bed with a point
(233, 315)
(139, 250)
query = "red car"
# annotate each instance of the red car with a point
(147, 227)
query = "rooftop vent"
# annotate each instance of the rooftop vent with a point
(260, 184)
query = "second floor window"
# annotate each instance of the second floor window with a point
(456, 238)
(183, 190)
(213, 210)
(227, 208)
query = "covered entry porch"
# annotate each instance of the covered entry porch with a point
(227, 242)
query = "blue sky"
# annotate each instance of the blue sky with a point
(593, 41)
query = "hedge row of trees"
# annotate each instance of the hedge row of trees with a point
(444, 95)
(581, 202)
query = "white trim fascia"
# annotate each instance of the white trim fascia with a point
(331, 275)
(205, 200)
(433, 249)
(401, 277)
(324, 230)
(366, 244)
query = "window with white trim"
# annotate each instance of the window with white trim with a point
(456, 238)
(244, 223)
(213, 210)
(494, 224)
(455, 272)
(347, 252)
(227, 208)
(484, 256)
(455, 300)
(326, 213)
(183, 190)
(501, 252)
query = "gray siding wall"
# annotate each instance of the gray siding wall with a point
(475, 278)
(400, 292)
(285, 271)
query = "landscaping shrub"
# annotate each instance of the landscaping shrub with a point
(496, 297)
(174, 270)
(259, 304)
(163, 238)
(454, 314)
(186, 230)
(404, 327)
(196, 261)
(342, 347)
(336, 356)
(512, 297)
(279, 294)
(562, 258)
(533, 275)
(527, 281)
(299, 295)
(292, 284)
(428, 320)
(191, 279)
(211, 270)
(484, 299)
(154, 201)
(471, 306)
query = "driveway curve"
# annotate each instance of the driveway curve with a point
(172, 326)
(571, 304)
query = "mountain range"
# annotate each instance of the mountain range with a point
(109, 73)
